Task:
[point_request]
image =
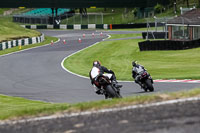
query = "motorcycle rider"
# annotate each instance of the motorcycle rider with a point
(135, 72)
(97, 70)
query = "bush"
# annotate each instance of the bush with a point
(158, 8)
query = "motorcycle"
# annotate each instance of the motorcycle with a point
(107, 87)
(146, 81)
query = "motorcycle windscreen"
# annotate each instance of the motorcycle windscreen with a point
(95, 72)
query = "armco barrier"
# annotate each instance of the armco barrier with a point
(62, 26)
(91, 26)
(168, 45)
(25, 41)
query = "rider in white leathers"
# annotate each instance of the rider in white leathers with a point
(98, 69)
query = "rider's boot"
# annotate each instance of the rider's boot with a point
(106, 96)
(140, 83)
(115, 83)
(98, 91)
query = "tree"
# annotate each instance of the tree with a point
(187, 3)
(158, 8)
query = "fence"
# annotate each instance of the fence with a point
(65, 19)
(77, 18)
(84, 19)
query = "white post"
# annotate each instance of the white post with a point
(81, 18)
(102, 17)
(88, 18)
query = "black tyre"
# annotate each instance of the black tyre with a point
(149, 85)
(119, 95)
(111, 92)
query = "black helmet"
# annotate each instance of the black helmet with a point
(96, 63)
(134, 63)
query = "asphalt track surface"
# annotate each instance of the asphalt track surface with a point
(37, 73)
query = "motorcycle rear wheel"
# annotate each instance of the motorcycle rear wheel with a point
(111, 92)
(149, 85)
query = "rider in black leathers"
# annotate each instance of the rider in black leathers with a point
(135, 73)
(98, 69)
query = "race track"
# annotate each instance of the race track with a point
(37, 73)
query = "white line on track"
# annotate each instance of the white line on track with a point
(66, 115)
(62, 63)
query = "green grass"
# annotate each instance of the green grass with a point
(125, 36)
(11, 107)
(11, 31)
(133, 100)
(3, 9)
(14, 49)
(118, 55)
(17, 108)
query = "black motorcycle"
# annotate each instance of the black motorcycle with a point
(108, 87)
(146, 80)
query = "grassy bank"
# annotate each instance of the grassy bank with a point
(118, 55)
(11, 31)
(17, 108)
(125, 36)
(12, 107)
(134, 100)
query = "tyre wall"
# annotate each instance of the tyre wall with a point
(168, 45)
(154, 35)
(21, 42)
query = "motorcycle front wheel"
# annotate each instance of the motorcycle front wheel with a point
(149, 85)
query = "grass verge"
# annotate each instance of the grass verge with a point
(18, 108)
(117, 36)
(10, 30)
(12, 107)
(118, 56)
(133, 100)
(15, 49)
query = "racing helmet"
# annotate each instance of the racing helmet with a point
(134, 63)
(96, 63)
